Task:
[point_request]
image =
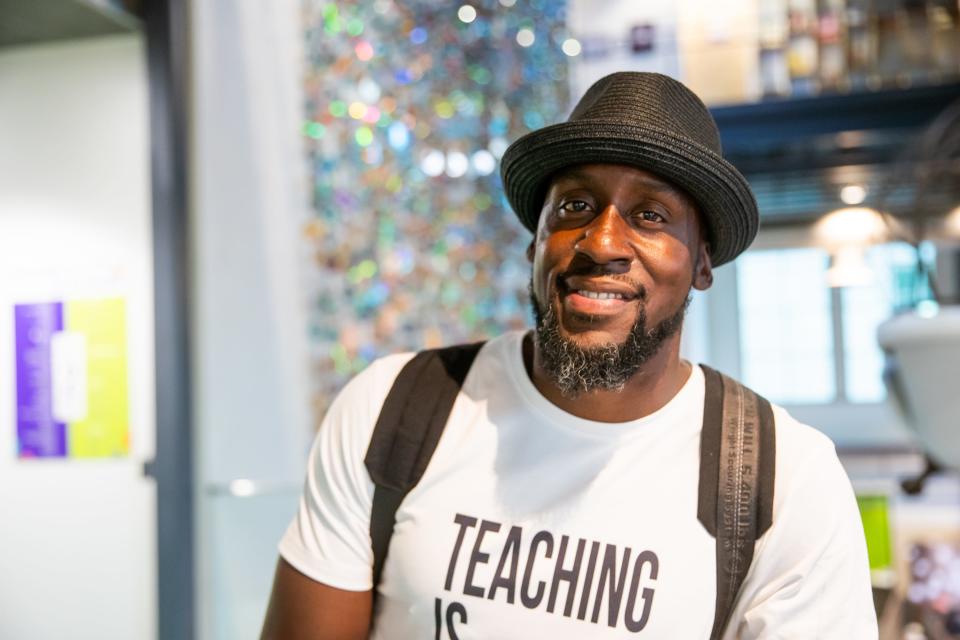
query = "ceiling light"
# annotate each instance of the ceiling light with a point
(858, 226)
(952, 223)
(853, 194)
(848, 268)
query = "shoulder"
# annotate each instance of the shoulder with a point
(802, 450)
(374, 381)
(362, 398)
(799, 439)
(811, 484)
(810, 576)
(352, 416)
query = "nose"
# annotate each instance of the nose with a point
(605, 241)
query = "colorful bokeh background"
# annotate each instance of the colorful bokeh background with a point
(409, 106)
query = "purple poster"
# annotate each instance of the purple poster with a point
(38, 433)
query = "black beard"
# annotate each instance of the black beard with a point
(575, 370)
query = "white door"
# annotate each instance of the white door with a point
(77, 516)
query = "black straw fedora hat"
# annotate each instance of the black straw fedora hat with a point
(650, 121)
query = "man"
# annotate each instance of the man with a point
(561, 501)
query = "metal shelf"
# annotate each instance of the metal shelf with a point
(763, 127)
(797, 153)
(36, 21)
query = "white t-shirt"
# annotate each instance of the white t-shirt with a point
(532, 523)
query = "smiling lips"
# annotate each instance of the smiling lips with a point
(599, 295)
(591, 303)
(596, 296)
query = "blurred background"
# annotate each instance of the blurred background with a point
(214, 213)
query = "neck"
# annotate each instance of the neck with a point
(649, 389)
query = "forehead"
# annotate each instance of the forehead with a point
(616, 175)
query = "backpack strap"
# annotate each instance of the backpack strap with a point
(737, 456)
(407, 432)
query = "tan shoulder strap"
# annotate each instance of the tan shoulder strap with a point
(737, 457)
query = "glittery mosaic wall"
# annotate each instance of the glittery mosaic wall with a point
(409, 108)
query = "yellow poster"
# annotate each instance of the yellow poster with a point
(104, 430)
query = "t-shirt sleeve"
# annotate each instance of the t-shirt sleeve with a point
(810, 577)
(329, 537)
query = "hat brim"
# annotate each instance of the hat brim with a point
(726, 202)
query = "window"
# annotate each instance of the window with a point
(802, 342)
(863, 309)
(786, 334)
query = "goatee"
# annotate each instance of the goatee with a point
(576, 370)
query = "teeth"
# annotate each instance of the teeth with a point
(600, 295)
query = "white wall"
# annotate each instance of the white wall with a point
(77, 537)
(606, 24)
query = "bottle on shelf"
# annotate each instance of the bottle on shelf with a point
(802, 49)
(773, 35)
(861, 44)
(831, 34)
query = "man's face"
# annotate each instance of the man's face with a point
(616, 253)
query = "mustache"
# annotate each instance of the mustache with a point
(582, 265)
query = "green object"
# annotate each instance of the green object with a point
(355, 26)
(874, 510)
(364, 136)
(338, 108)
(314, 129)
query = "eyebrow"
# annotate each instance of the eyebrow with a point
(652, 184)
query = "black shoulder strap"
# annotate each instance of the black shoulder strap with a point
(737, 457)
(407, 432)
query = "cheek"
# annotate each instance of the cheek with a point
(547, 255)
(539, 268)
(674, 263)
(681, 255)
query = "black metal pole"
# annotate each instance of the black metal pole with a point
(167, 46)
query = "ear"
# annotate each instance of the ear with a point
(530, 249)
(703, 268)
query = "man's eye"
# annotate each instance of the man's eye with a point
(574, 206)
(651, 216)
